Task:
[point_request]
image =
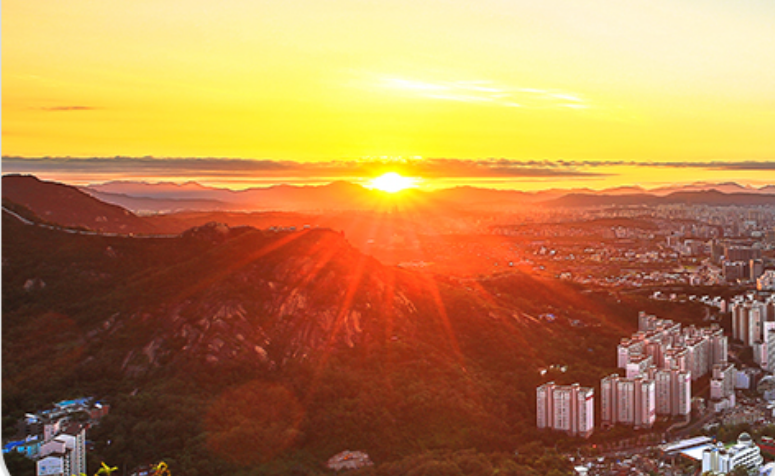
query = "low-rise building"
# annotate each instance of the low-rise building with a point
(720, 459)
(65, 451)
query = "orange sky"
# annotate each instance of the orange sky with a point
(303, 81)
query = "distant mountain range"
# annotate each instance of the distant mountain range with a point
(169, 197)
(137, 207)
(705, 197)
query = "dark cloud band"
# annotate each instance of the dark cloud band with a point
(215, 167)
(427, 168)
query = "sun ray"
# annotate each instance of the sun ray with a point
(243, 260)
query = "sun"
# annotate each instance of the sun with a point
(392, 182)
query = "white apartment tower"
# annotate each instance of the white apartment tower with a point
(748, 319)
(638, 365)
(568, 408)
(673, 392)
(628, 401)
(718, 346)
(722, 387)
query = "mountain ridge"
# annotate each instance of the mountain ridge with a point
(69, 206)
(704, 197)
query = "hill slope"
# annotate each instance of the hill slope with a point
(68, 206)
(192, 337)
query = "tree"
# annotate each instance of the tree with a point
(739, 471)
(19, 465)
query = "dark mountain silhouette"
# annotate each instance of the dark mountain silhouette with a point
(624, 190)
(67, 206)
(194, 197)
(146, 205)
(715, 197)
(726, 187)
(163, 197)
(171, 190)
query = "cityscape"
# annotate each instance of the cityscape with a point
(686, 387)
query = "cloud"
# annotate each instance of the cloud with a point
(67, 108)
(747, 166)
(245, 168)
(709, 165)
(448, 168)
(109, 168)
(486, 92)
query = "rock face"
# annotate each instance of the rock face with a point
(214, 296)
(34, 284)
(273, 307)
(349, 460)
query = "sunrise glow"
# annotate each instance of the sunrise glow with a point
(392, 182)
(601, 83)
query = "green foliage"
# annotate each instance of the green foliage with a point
(19, 465)
(465, 462)
(730, 433)
(739, 471)
(253, 423)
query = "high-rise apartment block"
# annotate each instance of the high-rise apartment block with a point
(722, 387)
(747, 321)
(749, 316)
(741, 253)
(660, 361)
(568, 408)
(769, 337)
(628, 401)
(638, 365)
(753, 321)
(734, 270)
(669, 346)
(673, 392)
(756, 268)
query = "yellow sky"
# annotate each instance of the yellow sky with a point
(656, 80)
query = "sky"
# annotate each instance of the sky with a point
(596, 93)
